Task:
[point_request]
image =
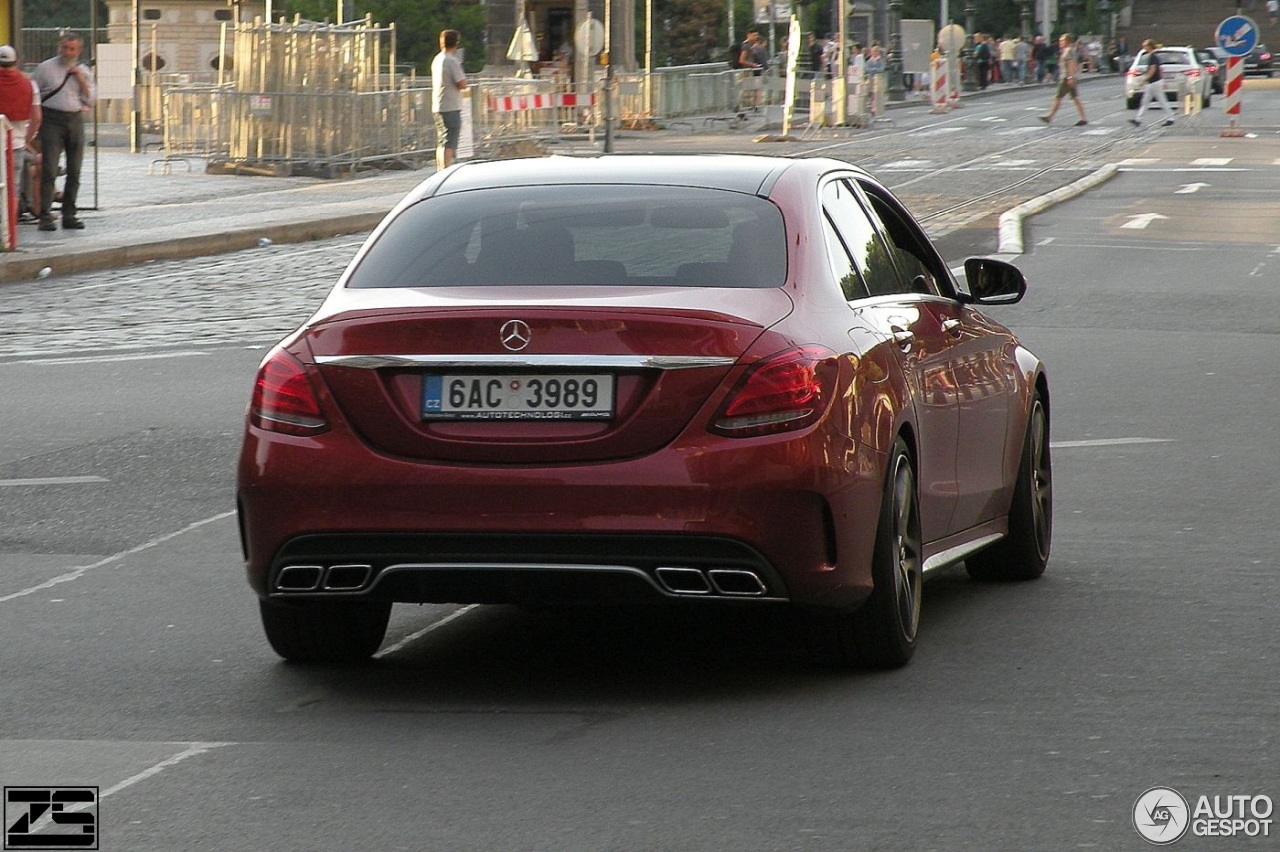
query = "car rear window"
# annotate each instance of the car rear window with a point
(587, 235)
(1167, 57)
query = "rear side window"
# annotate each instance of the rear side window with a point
(581, 235)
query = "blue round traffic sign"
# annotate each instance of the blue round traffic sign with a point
(1237, 35)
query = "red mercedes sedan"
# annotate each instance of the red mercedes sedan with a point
(644, 379)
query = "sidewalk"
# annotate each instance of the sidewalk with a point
(149, 208)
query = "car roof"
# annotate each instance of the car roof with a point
(739, 173)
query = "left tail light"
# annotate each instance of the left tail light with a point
(283, 399)
(786, 392)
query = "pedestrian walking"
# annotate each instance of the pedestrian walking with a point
(20, 103)
(67, 92)
(1068, 73)
(1153, 86)
(754, 56)
(448, 81)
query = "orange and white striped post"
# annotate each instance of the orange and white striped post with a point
(11, 184)
(953, 79)
(939, 86)
(1233, 91)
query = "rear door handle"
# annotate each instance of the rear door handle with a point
(951, 327)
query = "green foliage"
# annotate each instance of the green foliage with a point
(418, 25)
(73, 14)
(693, 31)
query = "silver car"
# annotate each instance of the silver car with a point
(1183, 75)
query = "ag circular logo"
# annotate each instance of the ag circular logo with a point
(1161, 815)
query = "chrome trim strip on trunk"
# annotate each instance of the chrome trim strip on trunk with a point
(955, 554)
(488, 362)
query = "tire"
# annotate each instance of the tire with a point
(1205, 101)
(881, 634)
(325, 631)
(1024, 552)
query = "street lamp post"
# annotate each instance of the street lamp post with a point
(1024, 19)
(970, 81)
(1104, 9)
(894, 65)
(1072, 9)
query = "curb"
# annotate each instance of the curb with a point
(1010, 233)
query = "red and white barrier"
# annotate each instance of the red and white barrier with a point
(521, 103)
(12, 183)
(939, 88)
(1233, 92)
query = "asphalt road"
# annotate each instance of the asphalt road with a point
(1032, 717)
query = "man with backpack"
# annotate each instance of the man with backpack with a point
(754, 57)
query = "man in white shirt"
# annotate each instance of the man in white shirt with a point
(66, 94)
(448, 81)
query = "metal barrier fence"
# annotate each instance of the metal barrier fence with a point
(321, 133)
(327, 133)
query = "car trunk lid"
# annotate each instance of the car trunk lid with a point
(535, 382)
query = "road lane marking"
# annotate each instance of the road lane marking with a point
(105, 359)
(413, 637)
(1108, 442)
(51, 480)
(1212, 161)
(1188, 188)
(1142, 220)
(192, 750)
(908, 164)
(79, 571)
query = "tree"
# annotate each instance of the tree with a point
(418, 25)
(72, 14)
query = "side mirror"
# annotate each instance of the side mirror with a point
(993, 282)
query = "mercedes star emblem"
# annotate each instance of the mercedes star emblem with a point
(515, 335)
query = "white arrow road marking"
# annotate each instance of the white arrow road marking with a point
(1188, 188)
(1142, 220)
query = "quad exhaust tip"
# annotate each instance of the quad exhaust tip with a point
(729, 582)
(319, 578)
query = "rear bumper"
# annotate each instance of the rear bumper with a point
(776, 520)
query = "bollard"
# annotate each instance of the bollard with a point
(939, 87)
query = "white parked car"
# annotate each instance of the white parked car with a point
(1183, 74)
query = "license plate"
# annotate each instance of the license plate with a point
(559, 396)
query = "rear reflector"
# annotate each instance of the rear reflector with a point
(283, 399)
